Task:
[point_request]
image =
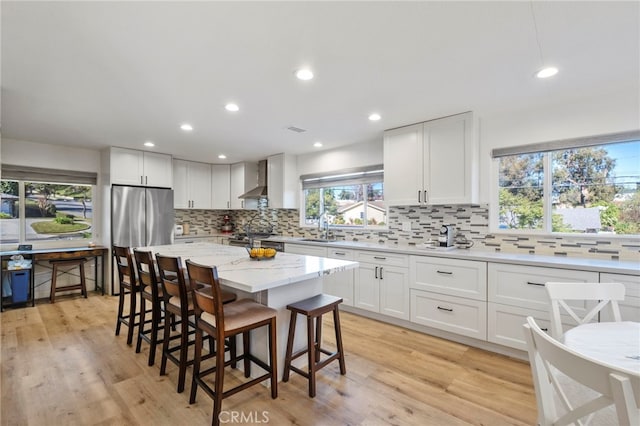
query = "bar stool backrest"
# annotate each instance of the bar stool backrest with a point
(172, 279)
(125, 266)
(147, 273)
(207, 295)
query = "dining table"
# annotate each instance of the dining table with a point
(275, 282)
(614, 343)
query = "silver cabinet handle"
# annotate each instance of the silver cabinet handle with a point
(141, 180)
(445, 309)
(445, 272)
(419, 196)
(381, 272)
(340, 253)
(242, 204)
(426, 197)
(376, 273)
(228, 204)
(380, 257)
(146, 180)
(532, 283)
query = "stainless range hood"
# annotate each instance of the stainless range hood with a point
(259, 191)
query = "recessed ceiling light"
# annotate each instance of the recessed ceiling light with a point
(304, 74)
(186, 127)
(374, 117)
(318, 144)
(222, 156)
(547, 72)
(149, 143)
(231, 107)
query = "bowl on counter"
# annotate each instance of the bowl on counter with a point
(261, 253)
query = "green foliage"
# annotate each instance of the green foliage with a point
(519, 211)
(629, 221)
(609, 215)
(558, 225)
(9, 187)
(51, 227)
(5, 216)
(312, 204)
(63, 220)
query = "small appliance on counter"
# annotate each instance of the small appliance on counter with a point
(447, 236)
(227, 226)
(178, 230)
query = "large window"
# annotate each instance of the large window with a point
(46, 208)
(352, 198)
(578, 189)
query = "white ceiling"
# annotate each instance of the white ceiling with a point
(95, 74)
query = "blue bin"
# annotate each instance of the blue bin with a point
(20, 286)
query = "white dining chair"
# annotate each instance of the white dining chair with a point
(606, 294)
(551, 362)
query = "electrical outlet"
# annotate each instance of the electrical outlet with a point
(406, 226)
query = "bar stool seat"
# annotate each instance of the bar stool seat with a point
(69, 263)
(313, 308)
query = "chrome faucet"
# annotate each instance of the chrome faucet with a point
(324, 233)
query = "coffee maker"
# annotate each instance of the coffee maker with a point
(447, 235)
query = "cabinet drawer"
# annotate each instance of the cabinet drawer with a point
(504, 324)
(337, 253)
(382, 259)
(449, 276)
(630, 307)
(454, 314)
(524, 285)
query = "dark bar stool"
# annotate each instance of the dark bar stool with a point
(67, 263)
(313, 308)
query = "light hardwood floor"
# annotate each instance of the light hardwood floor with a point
(62, 364)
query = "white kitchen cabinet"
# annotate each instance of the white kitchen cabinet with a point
(282, 182)
(192, 185)
(455, 277)
(381, 283)
(220, 186)
(515, 292)
(434, 162)
(244, 176)
(141, 168)
(340, 284)
(449, 313)
(630, 306)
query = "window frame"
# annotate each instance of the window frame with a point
(332, 179)
(547, 149)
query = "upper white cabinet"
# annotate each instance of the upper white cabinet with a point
(220, 186)
(244, 176)
(131, 167)
(192, 185)
(434, 162)
(282, 181)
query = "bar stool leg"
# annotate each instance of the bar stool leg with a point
(318, 341)
(312, 357)
(336, 324)
(54, 276)
(132, 314)
(287, 358)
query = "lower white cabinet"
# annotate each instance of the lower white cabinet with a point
(630, 307)
(449, 313)
(454, 277)
(341, 283)
(382, 283)
(305, 250)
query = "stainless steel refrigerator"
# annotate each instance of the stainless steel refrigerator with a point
(141, 217)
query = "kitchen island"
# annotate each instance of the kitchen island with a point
(276, 282)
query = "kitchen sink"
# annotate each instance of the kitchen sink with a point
(315, 240)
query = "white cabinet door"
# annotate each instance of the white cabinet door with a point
(630, 307)
(450, 174)
(454, 314)
(244, 176)
(220, 186)
(366, 292)
(282, 182)
(403, 166)
(157, 170)
(180, 184)
(454, 277)
(340, 284)
(192, 185)
(394, 291)
(127, 166)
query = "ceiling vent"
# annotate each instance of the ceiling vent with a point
(296, 129)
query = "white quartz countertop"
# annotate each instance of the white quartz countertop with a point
(577, 263)
(237, 270)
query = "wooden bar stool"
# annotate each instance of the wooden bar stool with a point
(128, 287)
(67, 263)
(313, 308)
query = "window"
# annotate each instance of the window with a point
(353, 198)
(593, 188)
(40, 210)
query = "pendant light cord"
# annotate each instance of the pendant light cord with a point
(535, 27)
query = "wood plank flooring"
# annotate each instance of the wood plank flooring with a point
(61, 364)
